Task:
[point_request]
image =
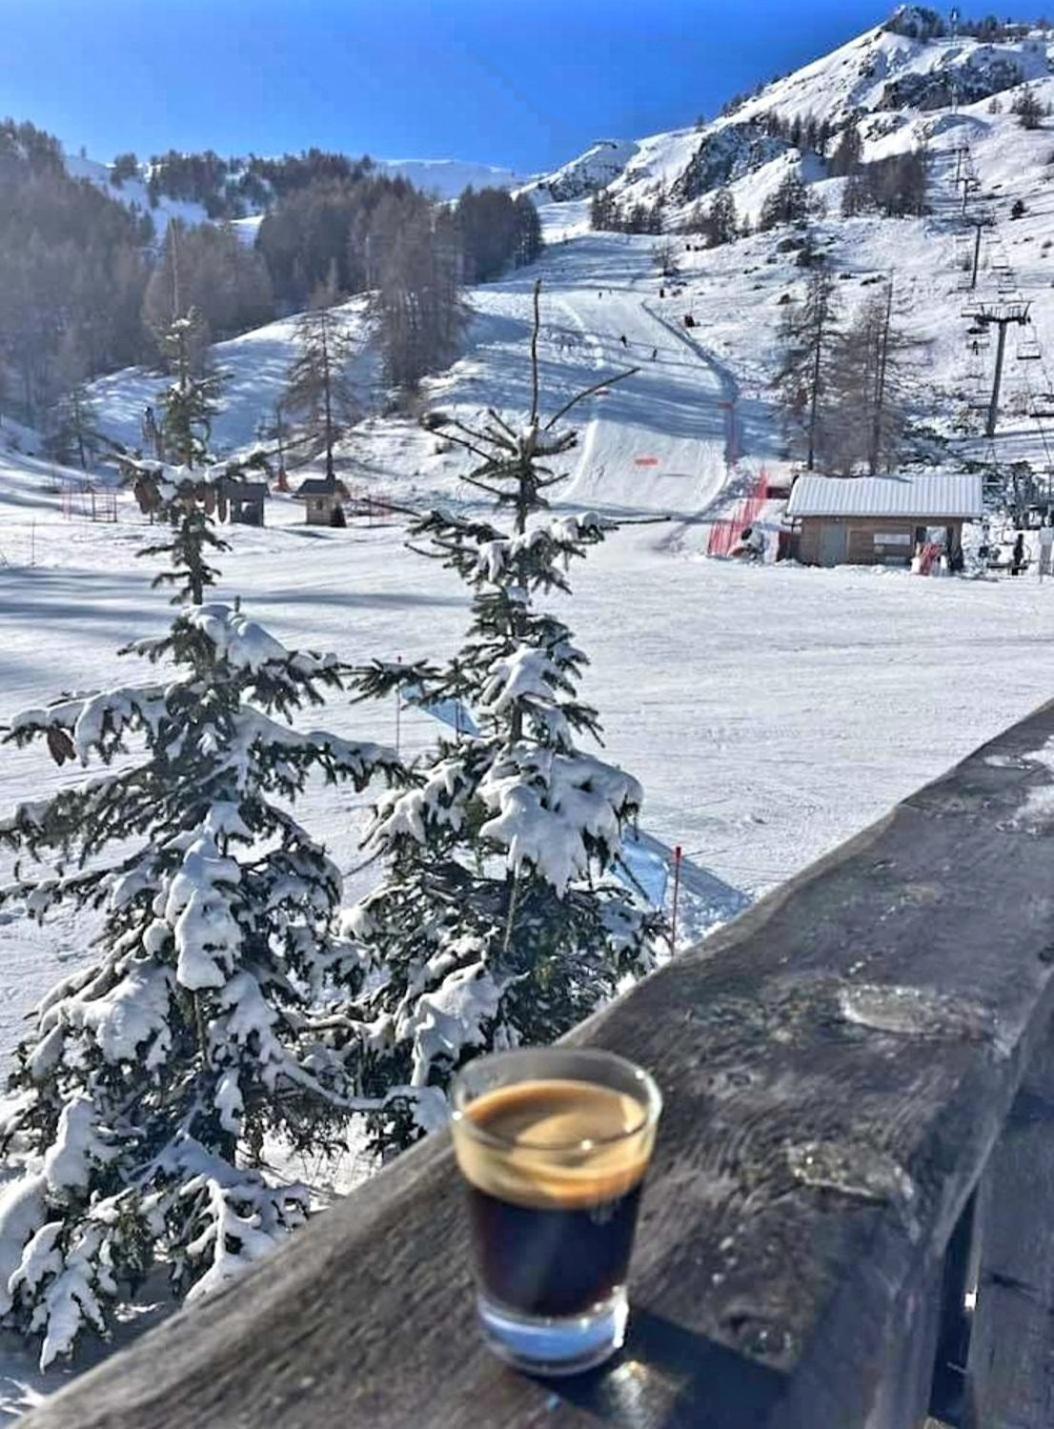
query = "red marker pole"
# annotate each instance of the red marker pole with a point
(677, 859)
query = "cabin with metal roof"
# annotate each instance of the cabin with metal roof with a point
(879, 520)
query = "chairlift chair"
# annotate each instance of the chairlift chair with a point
(1028, 350)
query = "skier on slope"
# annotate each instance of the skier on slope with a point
(623, 341)
(654, 353)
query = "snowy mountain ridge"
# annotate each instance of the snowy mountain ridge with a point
(901, 90)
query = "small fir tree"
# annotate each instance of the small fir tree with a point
(189, 403)
(1028, 108)
(723, 224)
(499, 920)
(787, 203)
(75, 439)
(140, 1101)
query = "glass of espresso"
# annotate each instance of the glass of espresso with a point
(553, 1144)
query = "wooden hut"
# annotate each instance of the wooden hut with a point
(878, 520)
(243, 501)
(323, 497)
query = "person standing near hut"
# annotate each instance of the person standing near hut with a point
(1046, 547)
(1017, 555)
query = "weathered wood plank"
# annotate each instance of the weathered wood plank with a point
(837, 1066)
(958, 1284)
(1010, 1372)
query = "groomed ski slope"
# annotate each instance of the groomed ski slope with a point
(657, 442)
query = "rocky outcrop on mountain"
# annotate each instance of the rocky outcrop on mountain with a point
(983, 76)
(599, 166)
(724, 156)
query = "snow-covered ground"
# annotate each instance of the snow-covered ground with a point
(745, 698)
(255, 368)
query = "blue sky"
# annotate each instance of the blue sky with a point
(526, 84)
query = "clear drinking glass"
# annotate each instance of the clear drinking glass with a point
(554, 1145)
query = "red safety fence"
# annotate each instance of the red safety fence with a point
(94, 503)
(726, 534)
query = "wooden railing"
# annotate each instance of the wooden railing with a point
(849, 1221)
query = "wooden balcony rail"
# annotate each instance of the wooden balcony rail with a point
(857, 1148)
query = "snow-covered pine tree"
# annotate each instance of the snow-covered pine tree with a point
(141, 1099)
(499, 920)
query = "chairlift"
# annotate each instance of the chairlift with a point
(1028, 350)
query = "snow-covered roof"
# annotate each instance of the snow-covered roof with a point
(924, 496)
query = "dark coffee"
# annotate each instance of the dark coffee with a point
(554, 1171)
(545, 1262)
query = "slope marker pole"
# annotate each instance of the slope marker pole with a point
(678, 858)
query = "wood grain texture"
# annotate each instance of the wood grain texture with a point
(837, 1065)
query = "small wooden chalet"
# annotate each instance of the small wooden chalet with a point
(242, 502)
(878, 520)
(323, 497)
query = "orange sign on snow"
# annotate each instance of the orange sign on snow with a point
(647, 460)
